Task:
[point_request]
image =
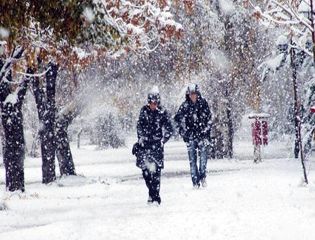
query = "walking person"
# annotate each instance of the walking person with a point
(194, 122)
(154, 129)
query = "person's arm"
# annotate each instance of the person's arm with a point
(141, 132)
(168, 127)
(207, 118)
(180, 120)
(178, 116)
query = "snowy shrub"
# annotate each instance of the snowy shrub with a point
(107, 131)
(99, 126)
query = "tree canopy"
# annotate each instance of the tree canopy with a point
(87, 28)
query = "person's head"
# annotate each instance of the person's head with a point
(153, 105)
(192, 92)
(193, 97)
(154, 98)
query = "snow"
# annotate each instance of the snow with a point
(2, 43)
(258, 115)
(154, 90)
(4, 33)
(108, 199)
(274, 62)
(89, 14)
(11, 98)
(282, 40)
(304, 7)
(219, 59)
(192, 87)
(80, 53)
(227, 6)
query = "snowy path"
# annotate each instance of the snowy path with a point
(242, 201)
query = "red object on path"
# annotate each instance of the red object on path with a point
(265, 132)
(260, 132)
(256, 132)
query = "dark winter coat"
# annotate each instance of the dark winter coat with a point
(154, 129)
(194, 119)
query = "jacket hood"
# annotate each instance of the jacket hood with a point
(192, 87)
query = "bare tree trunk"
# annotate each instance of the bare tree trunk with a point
(12, 121)
(219, 144)
(298, 138)
(79, 138)
(14, 143)
(296, 107)
(34, 146)
(63, 150)
(45, 101)
(230, 130)
(313, 26)
(257, 153)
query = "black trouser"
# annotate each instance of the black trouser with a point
(153, 180)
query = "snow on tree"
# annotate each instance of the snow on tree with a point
(296, 47)
(295, 17)
(83, 32)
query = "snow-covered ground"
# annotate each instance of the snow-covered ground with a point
(108, 199)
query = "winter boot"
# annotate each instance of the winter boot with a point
(158, 200)
(204, 183)
(150, 200)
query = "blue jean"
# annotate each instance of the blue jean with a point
(193, 147)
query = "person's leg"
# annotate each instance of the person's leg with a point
(147, 176)
(192, 154)
(156, 183)
(203, 163)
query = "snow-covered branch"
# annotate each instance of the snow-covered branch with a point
(143, 24)
(289, 14)
(34, 74)
(6, 67)
(294, 14)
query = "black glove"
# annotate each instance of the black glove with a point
(135, 149)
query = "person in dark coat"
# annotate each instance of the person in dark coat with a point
(154, 129)
(193, 120)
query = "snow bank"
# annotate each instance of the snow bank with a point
(242, 201)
